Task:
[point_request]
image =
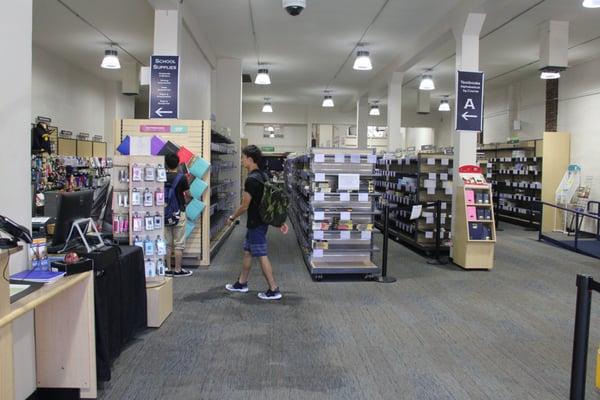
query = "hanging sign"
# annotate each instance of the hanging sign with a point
(469, 101)
(164, 87)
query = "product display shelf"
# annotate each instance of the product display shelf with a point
(332, 210)
(475, 235)
(195, 136)
(416, 180)
(221, 189)
(68, 173)
(515, 172)
(120, 200)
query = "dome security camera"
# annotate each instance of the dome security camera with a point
(294, 7)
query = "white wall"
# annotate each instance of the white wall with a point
(194, 80)
(579, 114)
(15, 163)
(294, 137)
(73, 98)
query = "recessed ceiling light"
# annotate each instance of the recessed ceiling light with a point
(263, 78)
(362, 61)
(111, 60)
(550, 75)
(591, 3)
(427, 82)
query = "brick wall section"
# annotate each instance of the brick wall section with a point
(551, 104)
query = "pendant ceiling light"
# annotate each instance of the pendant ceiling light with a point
(444, 105)
(262, 77)
(427, 82)
(267, 108)
(362, 61)
(591, 3)
(270, 129)
(327, 101)
(374, 110)
(111, 60)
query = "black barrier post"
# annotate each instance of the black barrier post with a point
(383, 278)
(497, 211)
(531, 228)
(576, 230)
(581, 337)
(438, 236)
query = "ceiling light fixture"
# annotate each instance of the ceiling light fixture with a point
(374, 110)
(550, 75)
(262, 77)
(362, 61)
(591, 3)
(327, 100)
(270, 129)
(111, 59)
(444, 104)
(427, 81)
(267, 108)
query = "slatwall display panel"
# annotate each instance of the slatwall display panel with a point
(196, 137)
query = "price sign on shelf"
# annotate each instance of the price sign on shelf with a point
(345, 235)
(345, 216)
(339, 158)
(344, 196)
(319, 196)
(319, 158)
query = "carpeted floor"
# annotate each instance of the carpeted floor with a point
(438, 333)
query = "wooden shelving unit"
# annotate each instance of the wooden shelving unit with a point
(475, 232)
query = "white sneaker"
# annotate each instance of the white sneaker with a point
(270, 295)
(237, 287)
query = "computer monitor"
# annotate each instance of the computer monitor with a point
(71, 206)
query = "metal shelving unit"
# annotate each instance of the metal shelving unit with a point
(221, 189)
(417, 180)
(332, 210)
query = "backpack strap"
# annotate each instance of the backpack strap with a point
(175, 183)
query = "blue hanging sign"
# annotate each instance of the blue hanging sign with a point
(469, 101)
(164, 87)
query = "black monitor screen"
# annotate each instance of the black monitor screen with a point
(71, 206)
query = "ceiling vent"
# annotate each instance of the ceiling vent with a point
(246, 78)
(130, 79)
(423, 102)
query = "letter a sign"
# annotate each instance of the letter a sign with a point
(469, 101)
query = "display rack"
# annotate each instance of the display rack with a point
(222, 196)
(475, 232)
(417, 180)
(195, 136)
(68, 173)
(120, 199)
(524, 173)
(332, 210)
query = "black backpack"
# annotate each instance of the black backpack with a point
(172, 212)
(273, 208)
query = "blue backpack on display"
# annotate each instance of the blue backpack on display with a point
(172, 211)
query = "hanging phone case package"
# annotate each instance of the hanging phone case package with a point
(148, 198)
(148, 247)
(160, 197)
(137, 223)
(161, 174)
(149, 173)
(149, 222)
(136, 173)
(158, 221)
(150, 268)
(138, 242)
(160, 267)
(161, 247)
(136, 198)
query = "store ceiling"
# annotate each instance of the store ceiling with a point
(130, 23)
(305, 52)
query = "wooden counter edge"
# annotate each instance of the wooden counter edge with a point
(41, 295)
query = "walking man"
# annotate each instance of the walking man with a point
(255, 244)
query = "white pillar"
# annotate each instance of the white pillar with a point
(228, 111)
(467, 59)
(15, 163)
(396, 139)
(167, 32)
(362, 121)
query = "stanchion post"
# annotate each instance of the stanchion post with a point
(531, 228)
(438, 235)
(383, 278)
(581, 337)
(576, 230)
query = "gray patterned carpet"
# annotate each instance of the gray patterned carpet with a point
(438, 333)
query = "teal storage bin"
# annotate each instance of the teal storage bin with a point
(194, 209)
(199, 167)
(189, 228)
(197, 188)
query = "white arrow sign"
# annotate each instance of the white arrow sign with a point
(160, 112)
(465, 115)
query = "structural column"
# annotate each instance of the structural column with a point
(167, 32)
(362, 121)
(467, 59)
(396, 137)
